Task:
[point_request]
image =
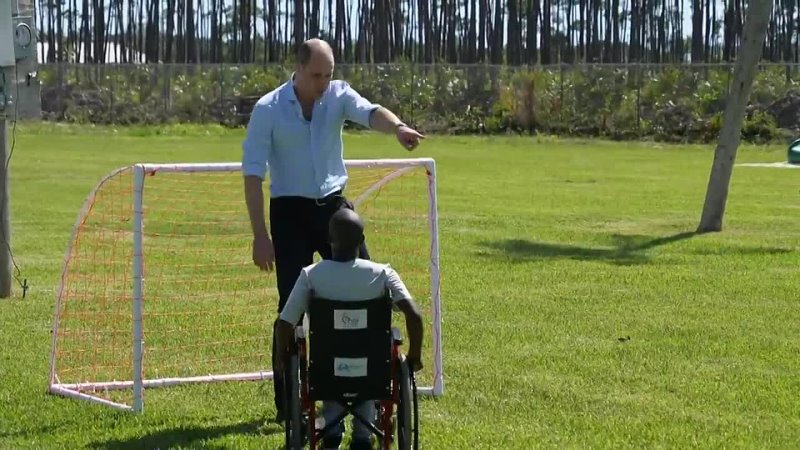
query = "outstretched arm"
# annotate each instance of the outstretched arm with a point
(386, 121)
(368, 114)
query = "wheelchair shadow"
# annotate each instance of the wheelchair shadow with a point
(188, 437)
(625, 249)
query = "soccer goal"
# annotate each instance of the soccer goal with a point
(158, 286)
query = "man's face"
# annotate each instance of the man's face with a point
(313, 78)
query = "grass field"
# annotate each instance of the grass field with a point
(579, 308)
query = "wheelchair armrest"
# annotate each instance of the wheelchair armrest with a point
(397, 336)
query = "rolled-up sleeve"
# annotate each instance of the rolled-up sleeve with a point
(357, 108)
(397, 289)
(297, 303)
(258, 142)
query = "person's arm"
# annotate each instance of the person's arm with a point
(414, 329)
(255, 151)
(372, 115)
(284, 340)
(296, 306)
(385, 121)
(406, 304)
(254, 196)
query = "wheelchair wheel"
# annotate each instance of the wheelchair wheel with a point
(293, 426)
(406, 429)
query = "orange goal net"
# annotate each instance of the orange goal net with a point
(158, 287)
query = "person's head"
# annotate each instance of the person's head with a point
(314, 68)
(346, 232)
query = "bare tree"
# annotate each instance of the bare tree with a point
(495, 31)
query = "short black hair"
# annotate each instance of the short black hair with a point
(346, 229)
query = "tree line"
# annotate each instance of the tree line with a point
(513, 32)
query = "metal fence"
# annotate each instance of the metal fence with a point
(593, 99)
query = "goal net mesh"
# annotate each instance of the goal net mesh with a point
(207, 311)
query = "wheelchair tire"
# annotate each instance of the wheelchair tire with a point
(293, 426)
(404, 408)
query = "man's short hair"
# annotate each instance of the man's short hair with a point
(346, 229)
(304, 53)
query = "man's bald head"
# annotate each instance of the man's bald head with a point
(346, 231)
(313, 48)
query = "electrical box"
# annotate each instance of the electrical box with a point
(19, 85)
(24, 38)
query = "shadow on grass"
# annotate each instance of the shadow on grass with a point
(625, 249)
(186, 437)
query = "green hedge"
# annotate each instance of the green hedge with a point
(677, 103)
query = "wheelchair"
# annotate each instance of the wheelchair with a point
(352, 354)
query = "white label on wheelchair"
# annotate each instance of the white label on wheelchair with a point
(350, 367)
(349, 319)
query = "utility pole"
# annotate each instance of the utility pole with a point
(755, 30)
(5, 228)
(17, 44)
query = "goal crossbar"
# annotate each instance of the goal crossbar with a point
(91, 390)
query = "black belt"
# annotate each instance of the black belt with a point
(317, 201)
(328, 198)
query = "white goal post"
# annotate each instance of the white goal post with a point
(158, 287)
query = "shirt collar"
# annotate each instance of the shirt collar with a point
(291, 96)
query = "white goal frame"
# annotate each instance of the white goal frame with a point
(137, 382)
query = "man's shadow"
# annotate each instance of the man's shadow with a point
(624, 249)
(186, 437)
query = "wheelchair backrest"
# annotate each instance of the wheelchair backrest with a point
(350, 348)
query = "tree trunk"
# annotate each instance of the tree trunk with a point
(789, 21)
(453, 19)
(546, 32)
(170, 31)
(617, 50)
(533, 15)
(299, 19)
(60, 32)
(482, 14)
(758, 13)
(512, 52)
(497, 40)
(191, 32)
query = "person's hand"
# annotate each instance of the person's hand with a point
(263, 253)
(408, 137)
(414, 362)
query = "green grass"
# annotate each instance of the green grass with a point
(579, 308)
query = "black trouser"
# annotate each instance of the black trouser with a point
(299, 228)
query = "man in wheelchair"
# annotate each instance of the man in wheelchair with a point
(354, 363)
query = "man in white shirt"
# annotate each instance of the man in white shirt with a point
(345, 277)
(295, 134)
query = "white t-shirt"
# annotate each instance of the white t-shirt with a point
(355, 280)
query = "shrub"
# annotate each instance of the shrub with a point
(673, 103)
